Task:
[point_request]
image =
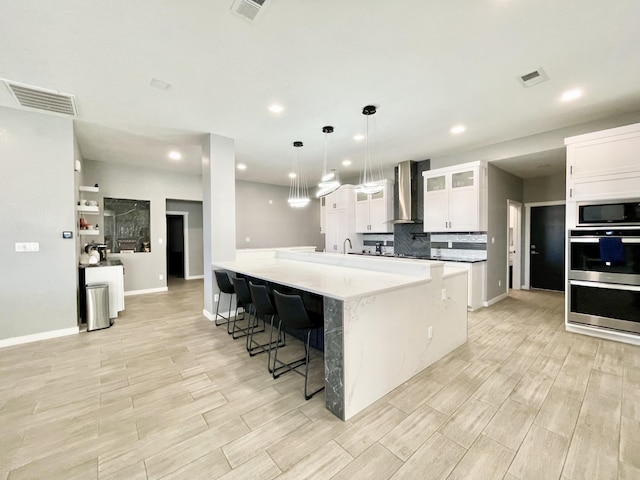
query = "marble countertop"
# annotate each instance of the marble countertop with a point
(104, 263)
(333, 281)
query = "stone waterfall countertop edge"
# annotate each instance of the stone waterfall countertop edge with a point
(334, 281)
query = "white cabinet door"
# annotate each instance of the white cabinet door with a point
(331, 231)
(362, 212)
(379, 212)
(322, 214)
(463, 201)
(436, 203)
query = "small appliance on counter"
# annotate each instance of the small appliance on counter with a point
(97, 250)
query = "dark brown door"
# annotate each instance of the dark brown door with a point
(547, 247)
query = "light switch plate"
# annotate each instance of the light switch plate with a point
(27, 247)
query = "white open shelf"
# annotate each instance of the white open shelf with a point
(88, 209)
(89, 232)
(84, 188)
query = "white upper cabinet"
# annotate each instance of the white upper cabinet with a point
(374, 213)
(455, 198)
(339, 220)
(604, 165)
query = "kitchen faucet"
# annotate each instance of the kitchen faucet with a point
(344, 245)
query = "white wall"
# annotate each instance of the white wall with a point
(502, 186)
(545, 189)
(263, 215)
(143, 270)
(37, 290)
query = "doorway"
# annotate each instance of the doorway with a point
(514, 244)
(546, 246)
(176, 241)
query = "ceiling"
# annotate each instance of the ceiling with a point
(427, 66)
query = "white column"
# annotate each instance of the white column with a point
(218, 208)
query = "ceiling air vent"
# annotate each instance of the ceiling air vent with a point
(42, 99)
(249, 9)
(533, 78)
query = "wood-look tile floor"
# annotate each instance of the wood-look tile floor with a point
(166, 394)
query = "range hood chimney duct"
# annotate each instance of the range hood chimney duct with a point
(407, 192)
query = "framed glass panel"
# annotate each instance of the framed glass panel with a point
(436, 183)
(127, 225)
(462, 179)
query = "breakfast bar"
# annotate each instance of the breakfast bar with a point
(385, 320)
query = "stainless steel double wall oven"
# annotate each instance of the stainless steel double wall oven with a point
(604, 266)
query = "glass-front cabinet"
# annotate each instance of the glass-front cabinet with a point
(455, 199)
(374, 212)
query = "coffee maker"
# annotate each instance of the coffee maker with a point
(101, 248)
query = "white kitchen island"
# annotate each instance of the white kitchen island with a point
(385, 319)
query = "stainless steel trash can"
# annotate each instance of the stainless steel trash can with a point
(97, 306)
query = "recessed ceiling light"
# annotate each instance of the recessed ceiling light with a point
(292, 175)
(346, 163)
(570, 95)
(241, 166)
(458, 129)
(358, 137)
(175, 155)
(275, 108)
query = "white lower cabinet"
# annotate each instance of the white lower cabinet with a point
(476, 281)
(114, 277)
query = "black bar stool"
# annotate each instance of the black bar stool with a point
(243, 300)
(293, 315)
(263, 308)
(225, 286)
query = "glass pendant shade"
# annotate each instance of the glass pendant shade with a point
(298, 190)
(369, 184)
(329, 181)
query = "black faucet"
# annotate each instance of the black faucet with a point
(378, 247)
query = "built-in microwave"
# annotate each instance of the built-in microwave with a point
(609, 213)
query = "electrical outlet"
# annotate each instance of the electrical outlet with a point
(430, 333)
(499, 283)
(161, 277)
(450, 244)
(247, 239)
(216, 297)
(444, 294)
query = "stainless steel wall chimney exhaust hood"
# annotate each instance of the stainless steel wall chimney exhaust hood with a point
(407, 192)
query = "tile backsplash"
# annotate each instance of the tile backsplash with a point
(468, 246)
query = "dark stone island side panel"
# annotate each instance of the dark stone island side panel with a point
(333, 356)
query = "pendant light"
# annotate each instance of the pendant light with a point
(369, 184)
(298, 191)
(329, 181)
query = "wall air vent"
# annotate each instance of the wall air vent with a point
(37, 98)
(533, 78)
(250, 10)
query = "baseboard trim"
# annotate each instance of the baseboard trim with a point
(495, 299)
(194, 277)
(148, 290)
(36, 337)
(212, 316)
